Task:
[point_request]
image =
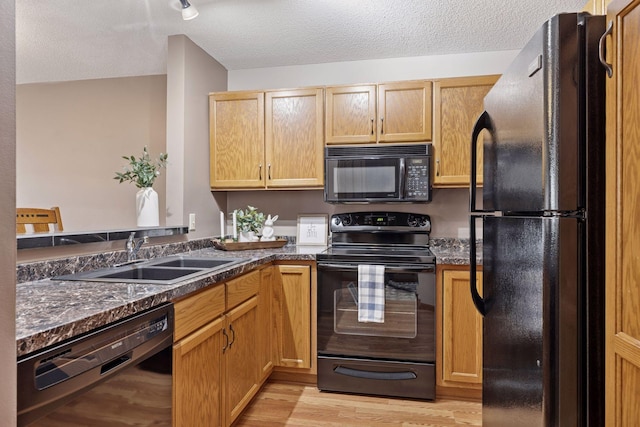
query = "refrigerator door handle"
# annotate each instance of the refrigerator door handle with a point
(478, 301)
(483, 122)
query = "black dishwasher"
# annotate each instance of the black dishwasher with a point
(118, 375)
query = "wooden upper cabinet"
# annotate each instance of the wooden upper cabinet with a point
(267, 140)
(596, 7)
(351, 114)
(458, 103)
(294, 138)
(236, 135)
(622, 297)
(391, 112)
(404, 111)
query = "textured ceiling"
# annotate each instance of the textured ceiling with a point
(82, 39)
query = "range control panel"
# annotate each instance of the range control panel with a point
(380, 221)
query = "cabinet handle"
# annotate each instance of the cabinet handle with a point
(382, 125)
(260, 171)
(372, 123)
(226, 340)
(601, 50)
(437, 167)
(269, 171)
(233, 339)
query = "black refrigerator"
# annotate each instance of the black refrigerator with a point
(542, 218)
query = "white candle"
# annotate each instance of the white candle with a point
(222, 233)
(235, 230)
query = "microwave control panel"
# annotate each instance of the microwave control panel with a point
(417, 178)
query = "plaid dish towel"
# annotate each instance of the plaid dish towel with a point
(371, 293)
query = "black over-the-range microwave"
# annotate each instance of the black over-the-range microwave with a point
(378, 174)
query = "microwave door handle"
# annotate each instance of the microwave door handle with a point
(401, 185)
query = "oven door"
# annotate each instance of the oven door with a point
(408, 332)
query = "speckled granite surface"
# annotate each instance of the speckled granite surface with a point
(454, 251)
(49, 311)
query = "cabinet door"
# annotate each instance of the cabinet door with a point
(622, 211)
(265, 323)
(596, 7)
(404, 111)
(459, 358)
(236, 138)
(197, 378)
(350, 114)
(294, 138)
(292, 316)
(241, 360)
(458, 103)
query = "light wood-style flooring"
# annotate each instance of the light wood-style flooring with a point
(291, 404)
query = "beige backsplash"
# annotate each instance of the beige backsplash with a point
(449, 209)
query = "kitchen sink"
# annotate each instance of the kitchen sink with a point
(193, 262)
(150, 273)
(160, 271)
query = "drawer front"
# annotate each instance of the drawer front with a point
(242, 288)
(198, 310)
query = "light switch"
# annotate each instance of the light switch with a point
(192, 222)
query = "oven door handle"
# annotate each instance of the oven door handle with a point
(393, 268)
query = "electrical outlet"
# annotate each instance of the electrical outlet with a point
(192, 222)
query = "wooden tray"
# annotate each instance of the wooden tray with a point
(245, 246)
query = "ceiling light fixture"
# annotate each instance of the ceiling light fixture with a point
(188, 10)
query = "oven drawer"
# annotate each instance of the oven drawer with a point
(385, 378)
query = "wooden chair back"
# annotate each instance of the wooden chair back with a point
(39, 219)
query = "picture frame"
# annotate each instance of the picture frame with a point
(312, 230)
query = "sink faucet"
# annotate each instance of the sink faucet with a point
(133, 246)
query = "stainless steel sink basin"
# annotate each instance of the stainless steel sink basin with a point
(150, 273)
(160, 271)
(183, 262)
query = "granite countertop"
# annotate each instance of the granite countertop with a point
(50, 311)
(450, 251)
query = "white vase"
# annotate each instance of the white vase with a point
(147, 208)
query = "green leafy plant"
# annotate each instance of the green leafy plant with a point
(143, 171)
(249, 219)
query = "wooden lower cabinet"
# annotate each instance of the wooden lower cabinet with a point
(217, 365)
(230, 337)
(197, 377)
(241, 360)
(265, 329)
(459, 338)
(292, 316)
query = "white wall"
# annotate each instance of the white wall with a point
(8, 387)
(191, 75)
(372, 71)
(449, 208)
